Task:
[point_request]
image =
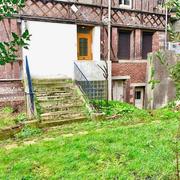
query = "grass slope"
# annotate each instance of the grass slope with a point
(128, 148)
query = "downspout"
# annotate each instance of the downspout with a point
(109, 63)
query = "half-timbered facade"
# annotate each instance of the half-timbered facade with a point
(67, 32)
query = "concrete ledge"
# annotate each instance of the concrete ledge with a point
(138, 84)
(10, 132)
(120, 77)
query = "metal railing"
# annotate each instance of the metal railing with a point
(89, 90)
(30, 91)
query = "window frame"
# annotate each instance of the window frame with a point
(89, 48)
(123, 5)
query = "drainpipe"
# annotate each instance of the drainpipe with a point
(109, 63)
(166, 28)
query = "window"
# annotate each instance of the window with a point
(124, 45)
(138, 95)
(125, 3)
(84, 43)
(146, 44)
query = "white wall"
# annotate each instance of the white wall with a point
(52, 49)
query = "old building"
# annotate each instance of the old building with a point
(69, 35)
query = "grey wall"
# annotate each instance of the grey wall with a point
(164, 91)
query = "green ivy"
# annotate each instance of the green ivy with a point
(9, 49)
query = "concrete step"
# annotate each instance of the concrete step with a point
(63, 107)
(52, 93)
(62, 122)
(42, 90)
(60, 101)
(51, 81)
(51, 86)
(61, 115)
(61, 96)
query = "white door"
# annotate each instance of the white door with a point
(139, 97)
(118, 92)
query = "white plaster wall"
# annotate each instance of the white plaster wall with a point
(96, 43)
(52, 49)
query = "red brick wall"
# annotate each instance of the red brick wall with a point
(12, 94)
(136, 71)
(11, 70)
(138, 44)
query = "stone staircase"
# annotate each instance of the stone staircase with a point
(59, 102)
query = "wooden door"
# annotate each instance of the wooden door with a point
(84, 43)
(118, 90)
(139, 97)
(124, 45)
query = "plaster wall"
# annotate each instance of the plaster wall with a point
(52, 49)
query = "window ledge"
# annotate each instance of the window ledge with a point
(125, 6)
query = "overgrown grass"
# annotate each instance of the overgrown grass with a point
(8, 118)
(139, 149)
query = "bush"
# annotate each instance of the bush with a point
(118, 108)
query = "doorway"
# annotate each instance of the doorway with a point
(118, 90)
(139, 97)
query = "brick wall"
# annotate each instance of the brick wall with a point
(12, 94)
(11, 70)
(136, 71)
(11, 88)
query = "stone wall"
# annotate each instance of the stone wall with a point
(164, 91)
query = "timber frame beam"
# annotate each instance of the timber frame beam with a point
(90, 14)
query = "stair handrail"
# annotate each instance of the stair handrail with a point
(83, 75)
(87, 88)
(30, 93)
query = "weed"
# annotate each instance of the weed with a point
(28, 131)
(20, 118)
(7, 110)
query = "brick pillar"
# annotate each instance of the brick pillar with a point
(131, 99)
(155, 41)
(114, 42)
(162, 40)
(138, 44)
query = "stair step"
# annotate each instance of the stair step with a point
(65, 95)
(60, 115)
(62, 107)
(62, 122)
(51, 81)
(52, 93)
(60, 100)
(55, 86)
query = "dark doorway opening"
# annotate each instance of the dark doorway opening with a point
(124, 44)
(146, 44)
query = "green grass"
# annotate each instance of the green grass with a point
(8, 118)
(133, 147)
